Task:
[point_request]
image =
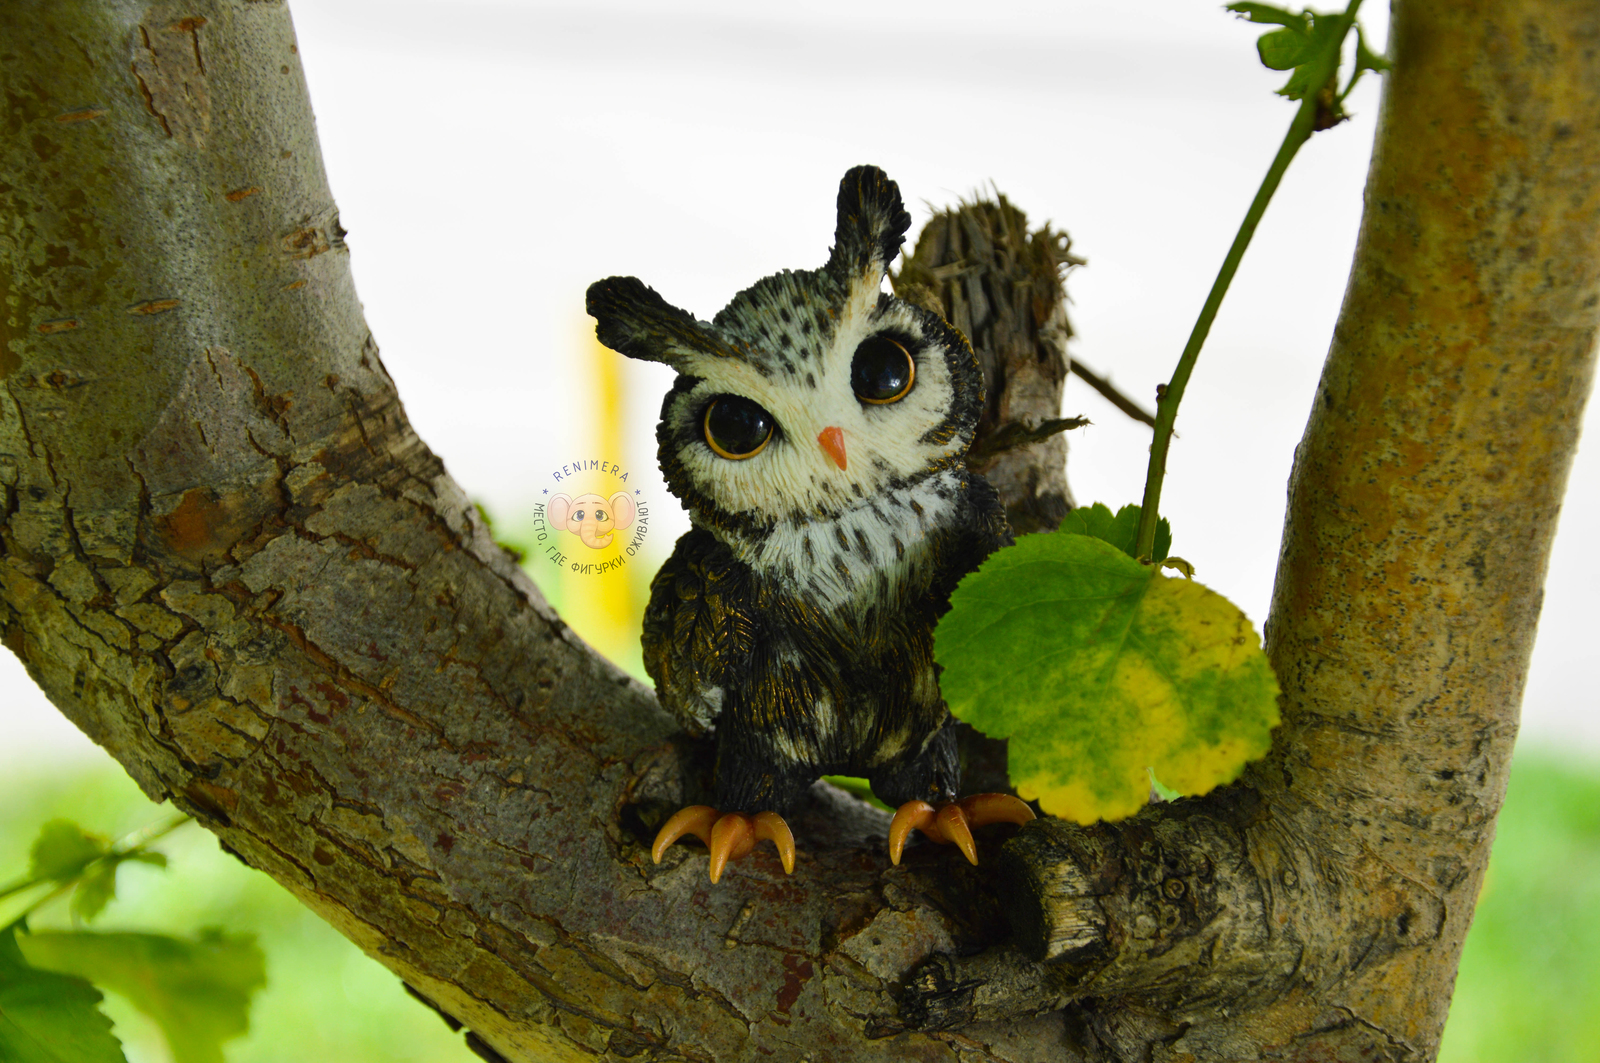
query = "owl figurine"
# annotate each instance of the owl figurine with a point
(816, 433)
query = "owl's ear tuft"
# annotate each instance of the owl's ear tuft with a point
(872, 224)
(631, 318)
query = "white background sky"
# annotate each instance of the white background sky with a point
(492, 159)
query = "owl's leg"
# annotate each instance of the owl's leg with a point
(745, 780)
(923, 788)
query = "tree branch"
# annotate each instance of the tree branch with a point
(229, 559)
(1109, 392)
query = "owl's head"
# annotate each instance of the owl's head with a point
(812, 391)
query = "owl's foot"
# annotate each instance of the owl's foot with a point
(954, 822)
(729, 837)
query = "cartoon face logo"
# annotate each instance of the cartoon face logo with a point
(592, 518)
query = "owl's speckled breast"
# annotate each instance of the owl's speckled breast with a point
(865, 553)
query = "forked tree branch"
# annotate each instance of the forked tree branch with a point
(229, 560)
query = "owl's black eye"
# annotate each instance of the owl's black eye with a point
(737, 428)
(882, 371)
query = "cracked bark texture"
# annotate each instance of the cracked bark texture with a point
(230, 561)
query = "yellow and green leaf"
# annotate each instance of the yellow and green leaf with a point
(1099, 669)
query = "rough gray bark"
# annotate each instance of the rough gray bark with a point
(230, 561)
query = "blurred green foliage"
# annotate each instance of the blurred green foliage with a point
(1529, 990)
(198, 991)
(47, 1017)
(324, 999)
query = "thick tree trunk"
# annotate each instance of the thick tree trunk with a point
(231, 562)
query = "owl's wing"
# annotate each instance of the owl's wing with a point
(982, 530)
(699, 629)
(990, 525)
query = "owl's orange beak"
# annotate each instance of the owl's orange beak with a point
(832, 440)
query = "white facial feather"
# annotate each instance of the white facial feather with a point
(794, 476)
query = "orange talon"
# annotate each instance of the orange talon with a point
(696, 820)
(728, 837)
(953, 823)
(731, 838)
(913, 815)
(770, 827)
(983, 809)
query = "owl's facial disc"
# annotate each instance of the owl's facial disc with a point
(846, 396)
(813, 392)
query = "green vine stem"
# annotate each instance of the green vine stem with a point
(1171, 394)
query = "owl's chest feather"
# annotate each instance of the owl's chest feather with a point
(880, 552)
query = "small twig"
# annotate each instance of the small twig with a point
(1109, 391)
(147, 834)
(1015, 434)
(21, 886)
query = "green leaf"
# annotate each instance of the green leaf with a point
(95, 890)
(1366, 58)
(63, 849)
(198, 991)
(1308, 45)
(1267, 13)
(1321, 47)
(857, 787)
(1166, 793)
(98, 885)
(1283, 49)
(1121, 530)
(49, 1018)
(1099, 669)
